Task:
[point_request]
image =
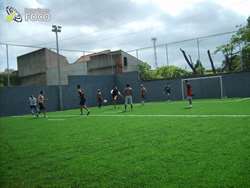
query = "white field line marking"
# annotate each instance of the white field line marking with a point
(244, 99)
(169, 115)
(146, 115)
(55, 119)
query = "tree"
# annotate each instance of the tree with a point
(189, 61)
(171, 72)
(14, 79)
(211, 61)
(199, 67)
(146, 73)
(237, 51)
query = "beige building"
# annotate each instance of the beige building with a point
(109, 62)
(40, 67)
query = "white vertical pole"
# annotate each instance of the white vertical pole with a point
(8, 68)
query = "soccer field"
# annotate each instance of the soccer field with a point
(160, 144)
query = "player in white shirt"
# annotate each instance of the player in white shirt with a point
(33, 105)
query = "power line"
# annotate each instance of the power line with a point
(33, 46)
(144, 48)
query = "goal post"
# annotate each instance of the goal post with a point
(202, 78)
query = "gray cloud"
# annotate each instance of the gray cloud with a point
(102, 14)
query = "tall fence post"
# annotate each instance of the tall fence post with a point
(198, 48)
(241, 59)
(8, 68)
(166, 48)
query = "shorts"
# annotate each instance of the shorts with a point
(114, 97)
(41, 106)
(143, 96)
(33, 107)
(189, 97)
(128, 99)
(82, 102)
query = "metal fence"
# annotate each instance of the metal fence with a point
(170, 54)
(162, 54)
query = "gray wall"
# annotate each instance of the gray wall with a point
(237, 85)
(90, 84)
(14, 100)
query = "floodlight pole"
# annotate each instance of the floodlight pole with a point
(57, 29)
(155, 54)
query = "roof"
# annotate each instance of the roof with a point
(41, 49)
(86, 58)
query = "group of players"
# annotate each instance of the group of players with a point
(127, 94)
(37, 105)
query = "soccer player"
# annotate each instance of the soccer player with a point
(33, 105)
(189, 93)
(143, 94)
(128, 97)
(82, 100)
(41, 104)
(115, 93)
(99, 98)
(167, 91)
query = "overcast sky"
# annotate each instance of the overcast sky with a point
(95, 25)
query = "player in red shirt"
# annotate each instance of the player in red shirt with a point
(189, 93)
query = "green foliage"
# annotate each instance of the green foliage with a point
(199, 67)
(239, 45)
(147, 73)
(171, 72)
(14, 79)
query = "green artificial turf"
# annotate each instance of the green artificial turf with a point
(67, 150)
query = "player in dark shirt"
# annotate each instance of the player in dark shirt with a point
(99, 98)
(82, 100)
(167, 91)
(128, 97)
(41, 103)
(115, 93)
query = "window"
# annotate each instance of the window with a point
(125, 61)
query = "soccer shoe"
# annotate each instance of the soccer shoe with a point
(88, 113)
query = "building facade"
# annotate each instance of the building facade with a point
(40, 67)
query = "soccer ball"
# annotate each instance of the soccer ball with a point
(105, 100)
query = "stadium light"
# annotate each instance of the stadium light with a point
(57, 29)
